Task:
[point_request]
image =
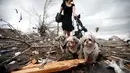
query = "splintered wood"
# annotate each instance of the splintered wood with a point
(51, 67)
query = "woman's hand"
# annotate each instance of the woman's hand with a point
(76, 16)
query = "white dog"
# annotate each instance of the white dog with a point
(89, 48)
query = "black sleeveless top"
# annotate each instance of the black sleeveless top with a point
(67, 17)
(67, 10)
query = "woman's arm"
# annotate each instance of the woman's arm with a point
(61, 9)
(74, 13)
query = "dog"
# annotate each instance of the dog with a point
(72, 46)
(89, 48)
(61, 38)
(61, 41)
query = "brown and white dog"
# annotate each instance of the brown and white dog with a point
(72, 44)
(89, 48)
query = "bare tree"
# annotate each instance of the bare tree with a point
(43, 27)
(43, 24)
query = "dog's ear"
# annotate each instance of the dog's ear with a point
(93, 37)
(81, 41)
(76, 40)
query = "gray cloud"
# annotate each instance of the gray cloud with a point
(111, 16)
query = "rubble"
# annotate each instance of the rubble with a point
(128, 42)
(18, 51)
(115, 38)
(115, 48)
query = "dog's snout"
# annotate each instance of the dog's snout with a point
(89, 42)
(70, 43)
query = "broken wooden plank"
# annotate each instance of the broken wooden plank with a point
(51, 67)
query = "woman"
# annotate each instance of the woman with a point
(68, 8)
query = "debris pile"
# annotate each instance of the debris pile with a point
(117, 48)
(17, 50)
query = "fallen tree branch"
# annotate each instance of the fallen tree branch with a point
(16, 40)
(44, 46)
(124, 53)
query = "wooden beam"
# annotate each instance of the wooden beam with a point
(51, 67)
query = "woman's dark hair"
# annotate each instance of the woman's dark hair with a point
(64, 1)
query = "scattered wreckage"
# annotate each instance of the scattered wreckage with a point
(17, 52)
(75, 65)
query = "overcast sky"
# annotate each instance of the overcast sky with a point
(111, 16)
